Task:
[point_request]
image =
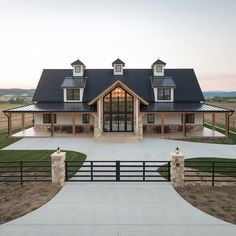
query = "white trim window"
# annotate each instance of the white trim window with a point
(73, 94)
(77, 69)
(158, 68)
(164, 94)
(118, 68)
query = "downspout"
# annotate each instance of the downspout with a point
(231, 113)
(8, 122)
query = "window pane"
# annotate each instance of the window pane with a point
(85, 118)
(129, 103)
(164, 94)
(106, 103)
(106, 122)
(150, 118)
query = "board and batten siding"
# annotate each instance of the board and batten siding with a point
(173, 119)
(63, 119)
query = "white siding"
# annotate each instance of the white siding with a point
(174, 119)
(63, 119)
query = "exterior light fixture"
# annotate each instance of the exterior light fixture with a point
(58, 150)
(177, 150)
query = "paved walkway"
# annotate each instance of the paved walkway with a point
(148, 149)
(117, 209)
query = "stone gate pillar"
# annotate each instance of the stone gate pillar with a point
(58, 168)
(177, 169)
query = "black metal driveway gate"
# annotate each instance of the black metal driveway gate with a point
(126, 171)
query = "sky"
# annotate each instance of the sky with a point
(50, 34)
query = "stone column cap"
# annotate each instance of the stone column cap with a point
(174, 154)
(60, 154)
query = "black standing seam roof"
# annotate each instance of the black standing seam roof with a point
(138, 80)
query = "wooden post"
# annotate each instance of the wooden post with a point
(213, 122)
(9, 125)
(226, 125)
(73, 123)
(23, 121)
(184, 124)
(162, 124)
(52, 124)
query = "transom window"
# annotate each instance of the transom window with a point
(189, 118)
(158, 68)
(77, 69)
(73, 94)
(86, 118)
(118, 68)
(164, 94)
(150, 118)
(47, 118)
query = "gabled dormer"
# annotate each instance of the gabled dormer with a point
(158, 67)
(118, 67)
(78, 68)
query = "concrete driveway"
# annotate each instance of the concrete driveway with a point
(148, 149)
(117, 209)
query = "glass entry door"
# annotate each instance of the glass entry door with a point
(118, 111)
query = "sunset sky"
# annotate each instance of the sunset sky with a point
(37, 34)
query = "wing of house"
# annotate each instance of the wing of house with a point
(100, 101)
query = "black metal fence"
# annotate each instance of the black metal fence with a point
(126, 171)
(25, 171)
(211, 172)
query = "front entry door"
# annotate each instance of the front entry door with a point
(118, 111)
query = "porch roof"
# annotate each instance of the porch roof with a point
(55, 107)
(182, 107)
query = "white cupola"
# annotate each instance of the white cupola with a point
(118, 67)
(78, 68)
(158, 68)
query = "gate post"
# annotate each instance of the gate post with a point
(177, 169)
(117, 170)
(58, 168)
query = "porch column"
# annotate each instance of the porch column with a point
(73, 123)
(226, 125)
(184, 124)
(52, 124)
(162, 124)
(23, 121)
(9, 125)
(213, 122)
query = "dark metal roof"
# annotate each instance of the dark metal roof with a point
(55, 107)
(78, 62)
(182, 107)
(74, 82)
(138, 80)
(165, 81)
(118, 62)
(159, 62)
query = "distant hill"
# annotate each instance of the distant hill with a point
(17, 92)
(219, 94)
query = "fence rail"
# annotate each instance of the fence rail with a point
(110, 171)
(25, 171)
(210, 171)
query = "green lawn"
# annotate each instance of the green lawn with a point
(5, 141)
(222, 165)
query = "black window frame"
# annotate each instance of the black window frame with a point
(47, 118)
(72, 98)
(150, 118)
(118, 68)
(86, 118)
(163, 96)
(189, 118)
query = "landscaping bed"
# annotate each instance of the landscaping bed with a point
(219, 202)
(17, 200)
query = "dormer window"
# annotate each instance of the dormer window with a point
(118, 68)
(77, 69)
(158, 68)
(164, 94)
(73, 94)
